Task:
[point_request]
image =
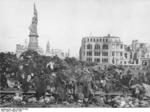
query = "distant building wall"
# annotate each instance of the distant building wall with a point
(111, 50)
(19, 49)
(107, 49)
(56, 52)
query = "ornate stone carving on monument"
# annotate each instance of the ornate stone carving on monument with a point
(33, 26)
(33, 40)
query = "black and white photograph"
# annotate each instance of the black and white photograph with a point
(74, 54)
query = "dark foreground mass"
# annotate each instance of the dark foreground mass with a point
(33, 80)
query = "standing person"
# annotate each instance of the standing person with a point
(137, 92)
(3, 81)
(103, 83)
(40, 86)
(25, 85)
(80, 94)
(86, 93)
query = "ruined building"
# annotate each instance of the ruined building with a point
(111, 50)
(55, 52)
(137, 53)
(107, 49)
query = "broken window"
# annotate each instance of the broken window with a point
(104, 53)
(105, 46)
(97, 46)
(89, 59)
(88, 40)
(96, 53)
(106, 40)
(121, 54)
(105, 60)
(113, 53)
(97, 40)
(97, 60)
(89, 53)
(89, 46)
(121, 46)
(137, 61)
(125, 55)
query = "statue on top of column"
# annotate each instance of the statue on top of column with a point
(33, 26)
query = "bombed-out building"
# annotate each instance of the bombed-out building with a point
(111, 50)
(107, 49)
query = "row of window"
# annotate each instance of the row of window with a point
(135, 55)
(97, 60)
(98, 53)
(128, 62)
(105, 46)
(126, 55)
(117, 54)
(89, 53)
(97, 40)
(117, 46)
(89, 59)
(97, 46)
(104, 60)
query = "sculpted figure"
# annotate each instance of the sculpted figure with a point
(33, 26)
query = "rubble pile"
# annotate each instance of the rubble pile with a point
(69, 81)
(128, 102)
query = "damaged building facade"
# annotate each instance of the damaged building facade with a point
(136, 54)
(111, 50)
(107, 49)
(55, 52)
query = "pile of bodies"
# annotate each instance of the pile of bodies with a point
(69, 81)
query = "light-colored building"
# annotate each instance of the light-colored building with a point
(55, 52)
(111, 50)
(20, 49)
(108, 49)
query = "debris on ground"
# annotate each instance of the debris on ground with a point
(69, 81)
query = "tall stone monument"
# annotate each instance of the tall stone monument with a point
(33, 36)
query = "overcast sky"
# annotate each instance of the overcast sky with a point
(64, 22)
